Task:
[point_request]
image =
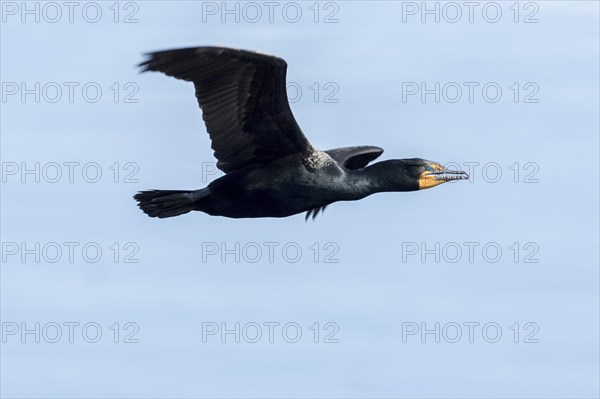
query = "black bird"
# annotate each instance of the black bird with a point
(271, 168)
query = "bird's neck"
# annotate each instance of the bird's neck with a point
(381, 177)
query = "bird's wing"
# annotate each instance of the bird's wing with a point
(244, 102)
(350, 158)
(355, 157)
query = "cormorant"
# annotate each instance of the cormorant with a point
(271, 169)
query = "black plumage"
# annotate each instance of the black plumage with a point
(271, 168)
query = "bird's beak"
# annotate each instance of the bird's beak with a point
(430, 179)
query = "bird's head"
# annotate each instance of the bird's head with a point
(427, 174)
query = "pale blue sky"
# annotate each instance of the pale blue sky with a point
(377, 288)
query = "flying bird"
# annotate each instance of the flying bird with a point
(271, 169)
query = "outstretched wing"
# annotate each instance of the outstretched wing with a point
(350, 158)
(244, 102)
(355, 157)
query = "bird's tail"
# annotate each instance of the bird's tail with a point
(166, 203)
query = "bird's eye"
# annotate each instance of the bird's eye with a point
(429, 168)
